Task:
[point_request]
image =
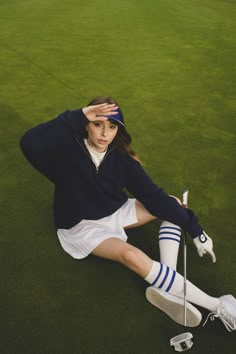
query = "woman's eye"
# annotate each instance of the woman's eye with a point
(97, 124)
(113, 126)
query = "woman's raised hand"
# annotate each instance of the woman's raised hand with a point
(100, 111)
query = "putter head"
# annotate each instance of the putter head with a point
(182, 342)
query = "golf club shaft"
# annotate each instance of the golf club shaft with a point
(185, 205)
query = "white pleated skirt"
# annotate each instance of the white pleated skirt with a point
(83, 238)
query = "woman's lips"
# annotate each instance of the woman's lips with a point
(100, 141)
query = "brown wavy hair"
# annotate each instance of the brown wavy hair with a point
(123, 138)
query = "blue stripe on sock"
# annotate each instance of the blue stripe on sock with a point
(169, 233)
(172, 281)
(169, 238)
(159, 274)
(170, 227)
(165, 277)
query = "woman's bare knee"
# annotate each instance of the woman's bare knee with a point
(136, 260)
(129, 258)
(124, 253)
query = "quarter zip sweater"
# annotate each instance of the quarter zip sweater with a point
(82, 191)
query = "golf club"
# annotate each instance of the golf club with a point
(183, 341)
(185, 205)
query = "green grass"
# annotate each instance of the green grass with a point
(171, 65)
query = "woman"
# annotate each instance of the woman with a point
(87, 154)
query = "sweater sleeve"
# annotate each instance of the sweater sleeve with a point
(158, 203)
(42, 145)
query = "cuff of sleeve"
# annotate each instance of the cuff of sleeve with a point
(193, 228)
(196, 231)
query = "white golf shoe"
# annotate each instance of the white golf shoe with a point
(226, 312)
(173, 306)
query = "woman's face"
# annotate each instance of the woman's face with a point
(101, 134)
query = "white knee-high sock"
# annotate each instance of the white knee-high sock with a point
(167, 279)
(169, 240)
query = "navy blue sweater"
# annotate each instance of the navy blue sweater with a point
(82, 191)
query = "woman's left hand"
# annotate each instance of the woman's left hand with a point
(100, 111)
(204, 245)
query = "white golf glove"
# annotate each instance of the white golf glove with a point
(204, 245)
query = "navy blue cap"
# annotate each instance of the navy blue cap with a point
(117, 117)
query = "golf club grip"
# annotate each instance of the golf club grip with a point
(185, 198)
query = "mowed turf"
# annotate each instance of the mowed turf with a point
(171, 66)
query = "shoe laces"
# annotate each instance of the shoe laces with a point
(228, 321)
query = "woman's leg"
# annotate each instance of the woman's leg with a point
(142, 214)
(126, 254)
(169, 240)
(169, 235)
(161, 276)
(157, 274)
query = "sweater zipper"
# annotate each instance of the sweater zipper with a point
(89, 156)
(97, 168)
